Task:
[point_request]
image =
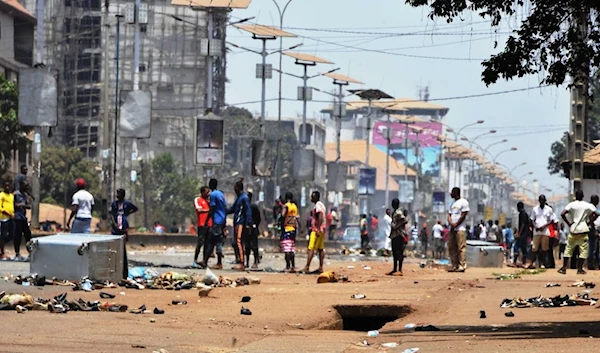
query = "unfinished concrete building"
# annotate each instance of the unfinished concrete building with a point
(171, 67)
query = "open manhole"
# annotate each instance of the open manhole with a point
(365, 318)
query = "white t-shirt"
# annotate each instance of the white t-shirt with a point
(579, 212)
(597, 221)
(85, 201)
(334, 218)
(482, 232)
(458, 207)
(540, 217)
(493, 231)
(437, 231)
(387, 225)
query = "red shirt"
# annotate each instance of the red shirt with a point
(201, 203)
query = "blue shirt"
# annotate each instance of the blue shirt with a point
(217, 201)
(119, 211)
(242, 213)
(20, 212)
(509, 237)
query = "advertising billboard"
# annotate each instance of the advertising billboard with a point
(366, 181)
(209, 140)
(430, 148)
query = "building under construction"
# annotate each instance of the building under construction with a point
(173, 67)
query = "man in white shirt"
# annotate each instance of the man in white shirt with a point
(482, 231)
(387, 229)
(457, 242)
(541, 217)
(580, 212)
(593, 242)
(81, 209)
(438, 240)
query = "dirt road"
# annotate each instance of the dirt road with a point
(288, 311)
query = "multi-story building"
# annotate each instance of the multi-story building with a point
(16, 53)
(81, 40)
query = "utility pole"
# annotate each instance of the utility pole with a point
(36, 146)
(136, 47)
(388, 139)
(116, 122)
(105, 130)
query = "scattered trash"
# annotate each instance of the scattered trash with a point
(122, 293)
(583, 284)
(410, 326)
(243, 281)
(428, 328)
(138, 346)
(366, 268)
(158, 311)
(554, 302)
(204, 291)
(373, 333)
(162, 350)
(140, 310)
(152, 320)
(105, 295)
(254, 280)
(416, 282)
(549, 285)
(510, 276)
(509, 314)
(21, 309)
(411, 350)
(245, 311)
(331, 277)
(245, 299)
(351, 267)
(389, 345)
(482, 314)
(358, 296)
(422, 265)
(179, 302)
(210, 278)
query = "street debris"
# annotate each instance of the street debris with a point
(245, 311)
(410, 326)
(331, 277)
(373, 333)
(411, 350)
(583, 284)
(358, 296)
(554, 302)
(389, 345)
(245, 299)
(482, 314)
(516, 275)
(179, 302)
(509, 314)
(428, 328)
(549, 285)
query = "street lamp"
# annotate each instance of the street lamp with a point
(281, 15)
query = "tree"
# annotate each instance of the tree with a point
(546, 43)
(169, 193)
(61, 167)
(559, 155)
(13, 136)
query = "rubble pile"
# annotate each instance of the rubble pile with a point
(547, 302)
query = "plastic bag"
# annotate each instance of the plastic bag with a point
(136, 272)
(210, 278)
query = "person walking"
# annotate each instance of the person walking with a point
(251, 245)
(81, 209)
(316, 240)
(579, 213)
(541, 217)
(288, 236)
(218, 216)
(457, 244)
(438, 240)
(242, 220)
(424, 235)
(21, 226)
(332, 220)
(120, 210)
(364, 233)
(7, 214)
(201, 204)
(521, 235)
(399, 238)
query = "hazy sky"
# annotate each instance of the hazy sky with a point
(402, 51)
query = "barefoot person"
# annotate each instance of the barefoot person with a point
(579, 212)
(457, 244)
(317, 235)
(201, 204)
(242, 221)
(217, 216)
(288, 236)
(399, 237)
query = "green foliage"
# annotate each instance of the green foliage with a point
(61, 167)
(12, 135)
(169, 194)
(546, 43)
(558, 155)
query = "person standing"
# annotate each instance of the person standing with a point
(7, 213)
(218, 216)
(424, 235)
(81, 209)
(541, 216)
(579, 212)
(21, 226)
(333, 223)
(457, 244)
(482, 231)
(522, 235)
(242, 220)
(364, 232)
(317, 235)
(593, 245)
(509, 239)
(288, 236)
(201, 204)
(553, 241)
(387, 229)
(398, 237)
(20, 178)
(438, 240)
(251, 245)
(120, 210)
(562, 241)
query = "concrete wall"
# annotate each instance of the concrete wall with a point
(7, 47)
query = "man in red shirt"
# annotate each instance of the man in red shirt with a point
(201, 204)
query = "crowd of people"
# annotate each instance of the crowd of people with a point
(15, 200)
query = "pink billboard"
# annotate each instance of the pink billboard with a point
(429, 146)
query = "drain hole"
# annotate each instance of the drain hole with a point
(365, 318)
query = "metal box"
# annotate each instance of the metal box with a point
(484, 254)
(73, 256)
